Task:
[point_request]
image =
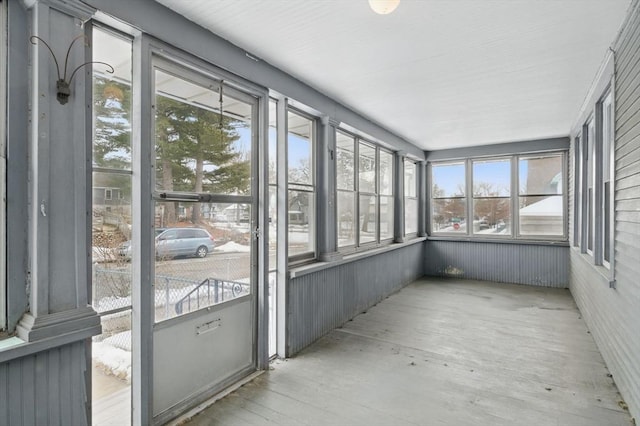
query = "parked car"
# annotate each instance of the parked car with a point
(173, 242)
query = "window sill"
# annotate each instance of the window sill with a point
(604, 273)
(301, 271)
(520, 241)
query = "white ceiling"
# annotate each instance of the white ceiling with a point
(440, 73)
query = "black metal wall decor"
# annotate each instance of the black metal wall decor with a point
(63, 85)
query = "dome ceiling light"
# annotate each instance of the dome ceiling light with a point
(384, 7)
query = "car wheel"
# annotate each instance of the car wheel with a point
(202, 251)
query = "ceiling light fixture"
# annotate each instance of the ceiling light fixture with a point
(384, 7)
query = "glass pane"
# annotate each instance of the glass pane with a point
(492, 178)
(410, 176)
(449, 215)
(197, 148)
(541, 175)
(492, 216)
(346, 218)
(367, 219)
(199, 264)
(448, 180)
(345, 161)
(300, 149)
(541, 215)
(301, 222)
(111, 230)
(111, 101)
(367, 168)
(606, 252)
(273, 314)
(386, 218)
(386, 173)
(273, 225)
(273, 142)
(410, 215)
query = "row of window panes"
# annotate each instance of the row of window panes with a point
(540, 196)
(594, 177)
(364, 192)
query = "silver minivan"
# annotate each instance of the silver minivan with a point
(173, 242)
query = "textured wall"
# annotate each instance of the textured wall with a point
(321, 301)
(47, 388)
(541, 265)
(613, 316)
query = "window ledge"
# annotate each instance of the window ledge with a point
(603, 272)
(301, 271)
(522, 241)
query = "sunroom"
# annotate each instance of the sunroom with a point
(320, 212)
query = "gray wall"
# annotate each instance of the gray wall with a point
(613, 315)
(47, 388)
(321, 301)
(540, 265)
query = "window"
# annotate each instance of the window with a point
(410, 197)
(346, 190)
(107, 194)
(541, 195)
(493, 208)
(606, 215)
(577, 191)
(448, 198)
(367, 197)
(364, 192)
(492, 197)
(386, 195)
(301, 186)
(590, 172)
(596, 175)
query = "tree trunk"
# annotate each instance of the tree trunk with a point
(167, 185)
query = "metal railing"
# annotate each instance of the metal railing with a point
(202, 294)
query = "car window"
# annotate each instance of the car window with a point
(168, 235)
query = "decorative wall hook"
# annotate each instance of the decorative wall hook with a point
(63, 85)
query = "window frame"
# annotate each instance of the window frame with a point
(606, 132)
(407, 197)
(310, 188)
(468, 198)
(3, 163)
(512, 203)
(357, 245)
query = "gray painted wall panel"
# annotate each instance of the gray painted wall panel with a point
(613, 315)
(541, 265)
(45, 388)
(324, 300)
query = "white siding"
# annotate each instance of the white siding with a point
(613, 315)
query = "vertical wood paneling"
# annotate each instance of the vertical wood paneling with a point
(47, 388)
(540, 265)
(324, 300)
(613, 315)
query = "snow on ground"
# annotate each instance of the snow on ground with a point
(112, 360)
(233, 247)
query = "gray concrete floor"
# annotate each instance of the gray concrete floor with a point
(440, 352)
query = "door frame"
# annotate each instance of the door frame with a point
(145, 49)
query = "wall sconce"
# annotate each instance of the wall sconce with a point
(63, 85)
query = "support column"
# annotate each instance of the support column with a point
(59, 248)
(326, 190)
(423, 193)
